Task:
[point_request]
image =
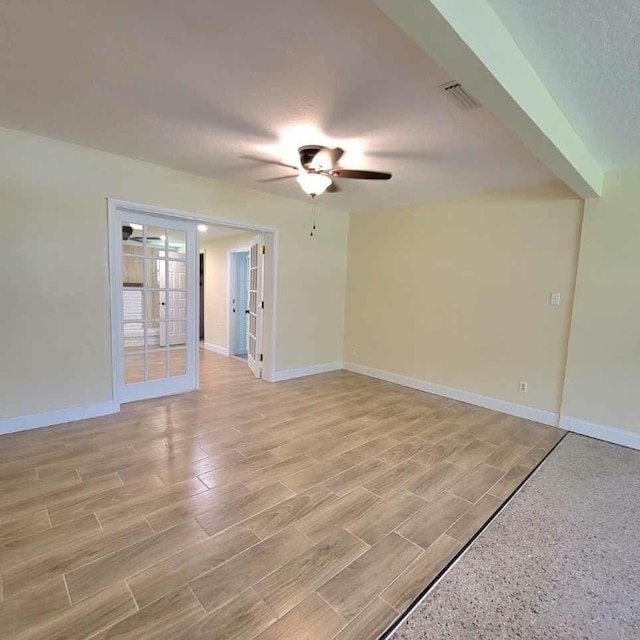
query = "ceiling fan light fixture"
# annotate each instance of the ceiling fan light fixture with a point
(312, 183)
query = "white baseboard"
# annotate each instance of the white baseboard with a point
(511, 408)
(223, 351)
(58, 416)
(290, 374)
(601, 432)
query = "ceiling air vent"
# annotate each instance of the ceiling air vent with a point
(457, 93)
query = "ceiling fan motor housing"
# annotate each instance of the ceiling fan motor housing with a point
(308, 153)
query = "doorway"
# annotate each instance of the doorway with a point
(235, 294)
(201, 298)
(239, 273)
(161, 304)
(154, 305)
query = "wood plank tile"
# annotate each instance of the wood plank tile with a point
(91, 578)
(137, 503)
(47, 458)
(83, 506)
(509, 482)
(435, 480)
(239, 470)
(497, 433)
(426, 526)
(20, 550)
(289, 511)
(73, 462)
(421, 573)
(324, 521)
(472, 454)
(403, 451)
(243, 617)
(507, 455)
(321, 427)
(32, 607)
(317, 472)
(185, 510)
(394, 479)
(532, 458)
(23, 527)
(530, 433)
(58, 497)
(472, 521)
(86, 618)
(105, 465)
(73, 555)
(276, 472)
(356, 476)
(386, 516)
(18, 491)
(176, 469)
(223, 583)
(338, 446)
(372, 448)
(286, 587)
(551, 439)
(188, 564)
(440, 450)
(221, 516)
(474, 484)
(351, 590)
(165, 618)
(370, 623)
(300, 446)
(313, 619)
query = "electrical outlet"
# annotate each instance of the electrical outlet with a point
(524, 387)
(555, 299)
(353, 351)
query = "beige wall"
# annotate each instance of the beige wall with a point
(457, 292)
(603, 371)
(54, 287)
(216, 295)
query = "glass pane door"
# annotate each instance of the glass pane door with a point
(158, 305)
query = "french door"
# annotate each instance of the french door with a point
(256, 304)
(154, 296)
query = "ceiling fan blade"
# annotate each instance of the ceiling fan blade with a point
(267, 161)
(357, 174)
(279, 178)
(326, 158)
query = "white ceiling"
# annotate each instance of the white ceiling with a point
(587, 53)
(195, 85)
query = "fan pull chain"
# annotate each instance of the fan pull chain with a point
(313, 214)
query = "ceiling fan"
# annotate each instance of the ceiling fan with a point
(319, 168)
(128, 234)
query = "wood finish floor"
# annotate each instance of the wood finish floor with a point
(315, 508)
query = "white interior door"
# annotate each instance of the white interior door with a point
(155, 298)
(256, 279)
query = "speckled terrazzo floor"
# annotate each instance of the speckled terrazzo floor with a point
(562, 560)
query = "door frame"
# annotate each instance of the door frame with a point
(232, 286)
(271, 241)
(171, 384)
